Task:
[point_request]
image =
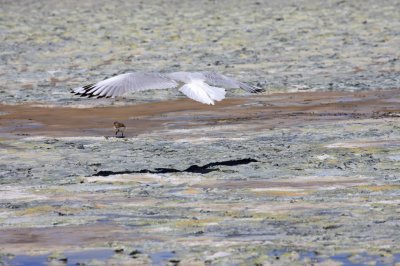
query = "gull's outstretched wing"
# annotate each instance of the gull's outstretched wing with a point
(217, 79)
(123, 83)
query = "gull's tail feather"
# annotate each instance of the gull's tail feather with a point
(201, 92)
(215, 93)
(197, 93)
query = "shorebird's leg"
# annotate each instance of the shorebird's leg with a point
(116, 132)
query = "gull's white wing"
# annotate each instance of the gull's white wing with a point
(129, 82)
(217, 79)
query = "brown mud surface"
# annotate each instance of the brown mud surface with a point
(276, 110)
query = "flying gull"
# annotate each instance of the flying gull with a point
(204, 87)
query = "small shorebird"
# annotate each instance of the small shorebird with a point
(119, 127)
(198, 86)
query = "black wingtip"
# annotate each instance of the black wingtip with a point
(259, 90)
(85, 91)
(88, 87)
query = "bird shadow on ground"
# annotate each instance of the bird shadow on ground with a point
(207, 168)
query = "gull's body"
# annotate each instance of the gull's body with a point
(204, 87)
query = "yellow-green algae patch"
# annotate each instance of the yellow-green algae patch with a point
(281, 192)
(376, 188)
(197, 222)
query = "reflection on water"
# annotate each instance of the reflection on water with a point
(161, 258)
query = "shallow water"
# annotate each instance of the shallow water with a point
(73, 258)
(163, 257)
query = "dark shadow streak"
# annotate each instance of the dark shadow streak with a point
(192, 169)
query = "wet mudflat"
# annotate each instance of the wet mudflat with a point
(273, 179)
